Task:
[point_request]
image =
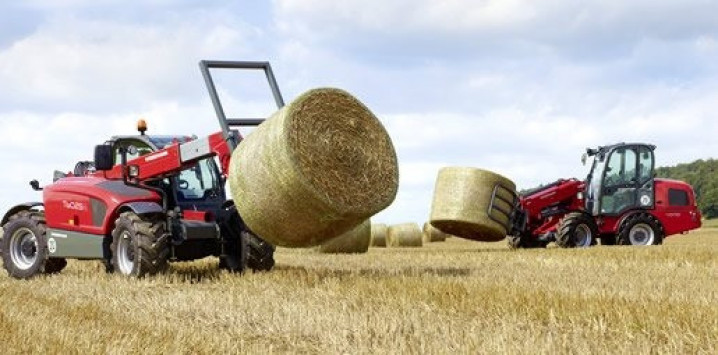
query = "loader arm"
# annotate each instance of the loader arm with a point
(175, 158)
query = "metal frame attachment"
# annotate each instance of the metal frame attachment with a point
(224, 122)
(493, 207)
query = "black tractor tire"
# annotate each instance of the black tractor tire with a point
(640, 229)
(24, 245)
(608, 239)
(514, 241)
(261, 253)
(55, 265)
(140, 245)
(236, 254)
(576, 229)
(23, 213)
(524, 242)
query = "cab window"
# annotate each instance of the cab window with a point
(645, 164)
(199, 181)
(677, 197)
(142, 149)
(621, 168)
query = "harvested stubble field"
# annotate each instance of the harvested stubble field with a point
(455, 296)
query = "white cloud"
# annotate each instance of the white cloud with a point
(531, 19)
(76, 64)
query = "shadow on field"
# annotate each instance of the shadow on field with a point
(193, 275)
(406, 272)
(483, 250)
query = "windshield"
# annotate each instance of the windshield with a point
(198, 182)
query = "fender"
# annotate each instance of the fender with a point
(619, 223)
(141, 207)
(17, 208)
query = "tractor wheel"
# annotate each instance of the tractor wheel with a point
(140, 245)
(23, 213)
(236, 251)
(24, 246)
(261, 253)
(55, 265)
(640, 229)
(515, 241)
(608, 239)
(576, 230)
(526, 241)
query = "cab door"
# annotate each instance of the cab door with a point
(627, 180)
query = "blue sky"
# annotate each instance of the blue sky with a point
(516, 86)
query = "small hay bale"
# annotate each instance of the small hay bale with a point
(431, 234)
(378, 235)
(354, 241)
(462, 199)
(404, 235)
(315, 169)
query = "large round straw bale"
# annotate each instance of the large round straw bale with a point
(354, 241)
(315, 169)
(462, 204)
(431, 234)
(378, 235)
(404, 235)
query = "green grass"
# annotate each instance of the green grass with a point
(710, 223)
(455, 296)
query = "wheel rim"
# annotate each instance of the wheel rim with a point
(23, 248)
(641, 234)
(583, 236)
(125, 254)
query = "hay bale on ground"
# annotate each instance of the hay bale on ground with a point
(378, 235)
(404, 235)
(431, 234)
(315, 169)
(462, 204)
(354, 241)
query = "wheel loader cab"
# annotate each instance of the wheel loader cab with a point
(621, 179)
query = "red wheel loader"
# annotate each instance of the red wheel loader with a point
(620, 202)
(143, 202)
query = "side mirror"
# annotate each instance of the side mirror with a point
(103, 157)
(584, 157)
(35, 185)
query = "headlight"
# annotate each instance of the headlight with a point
(133, 171)
(579, 195)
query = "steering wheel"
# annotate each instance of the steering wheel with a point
(183, 184)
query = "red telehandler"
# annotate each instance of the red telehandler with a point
(144, 201)
(620, 202)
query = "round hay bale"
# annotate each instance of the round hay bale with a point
(378, 235)
(354, 241)
(315, 169)
(404, 235)
(431, 234)
(462, 204)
